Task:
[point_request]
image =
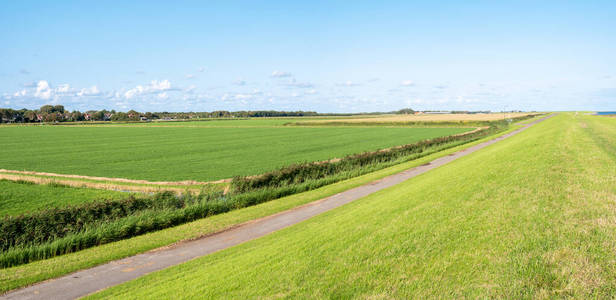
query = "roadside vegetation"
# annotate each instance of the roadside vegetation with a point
(528, 217)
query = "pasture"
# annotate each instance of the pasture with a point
(529, 217)
(21, 197)
(183, 152)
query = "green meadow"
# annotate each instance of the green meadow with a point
(22, 197)
(532, 216)
(171, 153)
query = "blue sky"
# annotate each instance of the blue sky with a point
(349, 56)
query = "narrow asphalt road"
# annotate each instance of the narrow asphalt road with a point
(88, 281)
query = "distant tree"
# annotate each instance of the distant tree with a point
(59, 108)
(405, 111)
(119, 116)
(4, 115)
(46, 109)
(133, 115)
(98, 116)
(30, 116)
(77, 116)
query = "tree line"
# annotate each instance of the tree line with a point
(57, 113)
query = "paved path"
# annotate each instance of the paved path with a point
(87, 281)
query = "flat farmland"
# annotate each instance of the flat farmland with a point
(171, 153)
(424, 118)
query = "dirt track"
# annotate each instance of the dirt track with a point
(87, 281)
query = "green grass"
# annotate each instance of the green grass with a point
(186, 153)
(23, 275)
(533, 216)
(18, 198)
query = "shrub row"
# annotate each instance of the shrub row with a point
(49, 224)
(139, 223)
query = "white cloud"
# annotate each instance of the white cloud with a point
(280, 74)
(190, 88)
(190, 76)
(201, 69)
(43, 90)
(349, 83)
(311, 92)
(407, 83)
(302, 85)
(20, 93)
(132, 92)
(239, 82)
(160, 85)
(162, 95)
(153, 87)
(63, 88)
(91, 91)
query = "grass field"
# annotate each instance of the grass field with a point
(22, 275)
(17, 198)
(186, 153)
(533, 216)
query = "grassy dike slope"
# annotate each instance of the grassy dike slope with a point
(530, 216)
